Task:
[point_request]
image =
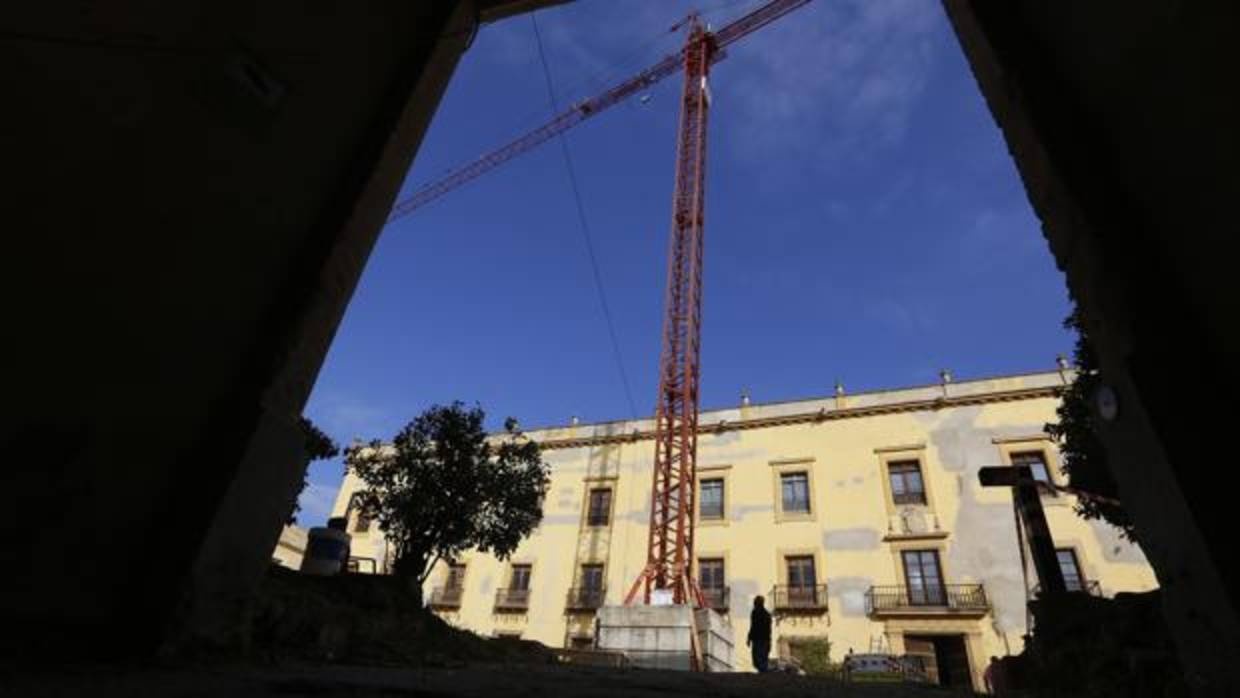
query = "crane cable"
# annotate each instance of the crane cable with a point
(585, 226)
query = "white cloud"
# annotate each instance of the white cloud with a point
(904, 316)
(343, 418)
(1000, 234)
(836, 79)
(316, 504)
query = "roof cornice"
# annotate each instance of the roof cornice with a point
(814, 417)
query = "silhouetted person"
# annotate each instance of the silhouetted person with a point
(759, 634)
(995, 678)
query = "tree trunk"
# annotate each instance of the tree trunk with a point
(409, 569)
(415, 590)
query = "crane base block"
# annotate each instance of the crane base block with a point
(661, 637)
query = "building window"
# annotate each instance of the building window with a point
(710, 579)
(1036, 462)
(710, 573)
(906, 483)
(710, 507)
(592, 577)
(456, 576)
(1070, 568)
(802, 589)
(600, 507)
(520, 580)
(924, 577)
(801, 572)
(515, 596)
(795, 492)
(361, 523)
(589, 592)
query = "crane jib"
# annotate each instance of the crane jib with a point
(587, 108)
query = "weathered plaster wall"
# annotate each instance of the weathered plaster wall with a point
(850, 529)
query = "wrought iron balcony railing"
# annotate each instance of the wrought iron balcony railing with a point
(717, 597)
(585, 598)
(446, 597)
(810, 597)
(946, 598)
(1089, 586)
(909, 498)
(512, 599)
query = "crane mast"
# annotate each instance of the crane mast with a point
(673, 494)
(669, 558)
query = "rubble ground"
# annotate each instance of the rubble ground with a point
(512, 680)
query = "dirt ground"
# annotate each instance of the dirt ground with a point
(359, 635)
(540, 681)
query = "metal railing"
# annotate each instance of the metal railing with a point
(946, 597)
(585, 598)
(799, 598)
(446, 597)
(717, 597)
(1089, 586)
(512, 599)
(909, 498)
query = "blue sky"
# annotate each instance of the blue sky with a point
(864, 224)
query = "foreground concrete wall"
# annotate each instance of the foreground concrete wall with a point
(192, 192)
(855, 532)
(1126, 141)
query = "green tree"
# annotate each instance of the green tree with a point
(443, 486)
(814, 655)
(318, 446)
(1084, 458)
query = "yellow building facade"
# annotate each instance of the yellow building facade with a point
(859, 517)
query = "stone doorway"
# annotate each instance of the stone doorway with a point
(944, 657)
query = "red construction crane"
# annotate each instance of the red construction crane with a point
(669, 559)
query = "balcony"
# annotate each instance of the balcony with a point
(446, 597)
(717, 597)
(946, 600)
(512, 599)
(1090, 587)
(799, 599)
(585, 598)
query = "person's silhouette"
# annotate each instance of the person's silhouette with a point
(759, 638)
(994, 678)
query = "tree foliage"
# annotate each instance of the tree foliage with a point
(813, 654)
(318, 446)
(442, 487)
(1084, 458)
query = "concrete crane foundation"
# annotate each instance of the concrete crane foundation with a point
(660, 637)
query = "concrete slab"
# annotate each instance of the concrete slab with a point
(660, 637)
